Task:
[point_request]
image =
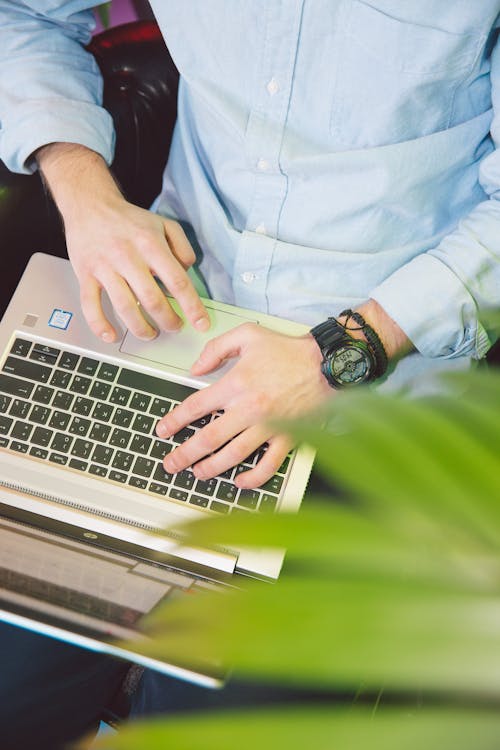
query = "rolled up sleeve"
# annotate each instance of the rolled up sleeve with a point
(51, 87)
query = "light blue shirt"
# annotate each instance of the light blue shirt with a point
(326, 151)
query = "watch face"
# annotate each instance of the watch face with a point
(350, 364)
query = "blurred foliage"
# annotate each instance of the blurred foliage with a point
(392, 585)
(103, 13)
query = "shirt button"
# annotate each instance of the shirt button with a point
(248, 277)
(263, 165)
(261, 229)
(272, 87)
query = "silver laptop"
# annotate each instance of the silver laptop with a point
(81, 475)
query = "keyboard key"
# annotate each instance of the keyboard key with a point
(88, 366)
(122, 417)
(144, 466)
(206, 486)
(59, 420)
(75, 463)
(49, 350)
(4, 403)
(284, 466)
(58, 458)
(120, 396)
(43, 394)
(140, 402)
(107, 372)
(139, 483)
(79, 426)
(15, 387)
(143, 423)
(102, 412)
(140, 444)
(117, 476)
(4, 442)
(21, 348)
(38, 452)
(201, 502)
(138, 381)
(60, 378)
(20, 408)
(61, 442)
(162, 476)
(268, 503)
(123, 460)
(100, 432)
(100, 389)
(248, 498)
(80, 384)
(21, 430)
(160, 449)
(160, 407)
(40, 356)
(19, 447)
(82, 406)
(219, 507)
(235, 511)
(26, 369)
(62, 400)
(202, 421)
(273, 485)
(158, 489)
(120, 438)
(184, 479)
(102, 454)
(82, 448)
(227, 492)
(39, 414)
(41, 436)
(68, 361)
(182, 435)
(5, 425)
(98, 471)
(177, 494)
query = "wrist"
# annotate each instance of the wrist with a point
(394, 340)
(76, 176)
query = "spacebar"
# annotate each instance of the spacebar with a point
(157, 386)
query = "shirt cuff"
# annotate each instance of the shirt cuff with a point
(434, 309)
(37, 123)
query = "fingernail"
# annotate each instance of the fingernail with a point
(202, 324)
(150, 337)
(161, 431)
(107, 336)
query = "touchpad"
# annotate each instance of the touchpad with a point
(182, 348)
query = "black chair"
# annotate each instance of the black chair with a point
(140, 92)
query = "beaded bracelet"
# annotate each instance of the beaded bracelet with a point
(372, 339)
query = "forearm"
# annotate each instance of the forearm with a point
(395, 342)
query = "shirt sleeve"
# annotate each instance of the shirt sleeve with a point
(444, 299)
(50, 87)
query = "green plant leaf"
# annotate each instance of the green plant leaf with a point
(326, 728)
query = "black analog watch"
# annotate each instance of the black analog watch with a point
(347, 360)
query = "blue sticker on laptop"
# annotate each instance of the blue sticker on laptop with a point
(60, 319)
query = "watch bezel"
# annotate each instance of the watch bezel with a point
(332, 356)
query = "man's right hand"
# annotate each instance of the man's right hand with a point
(118, 247)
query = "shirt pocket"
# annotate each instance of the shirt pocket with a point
(394, 79)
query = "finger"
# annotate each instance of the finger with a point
(236, 450)
(91, 303)
(179, 285)
(126, 307)
(179, 243)
(154, 301)
(199, 404)
(217, 351)
(204, 442)
(278, 448)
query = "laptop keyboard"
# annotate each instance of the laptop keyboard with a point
(90, 416)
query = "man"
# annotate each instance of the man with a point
(327, 155)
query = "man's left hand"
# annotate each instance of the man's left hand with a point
(275, 376)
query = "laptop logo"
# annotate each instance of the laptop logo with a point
(60, 319)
